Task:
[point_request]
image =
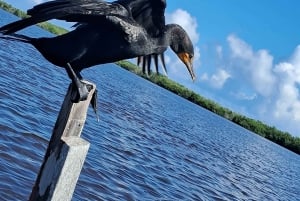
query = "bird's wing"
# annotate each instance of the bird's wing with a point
(83, 11)
(150, 14)
(77, 10)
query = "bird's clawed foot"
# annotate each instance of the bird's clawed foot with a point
(80, 91)
(81, 94)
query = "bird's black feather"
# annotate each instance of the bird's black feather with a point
(149, 14)
(105, 32)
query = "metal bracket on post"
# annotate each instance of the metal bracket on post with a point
(66, 152)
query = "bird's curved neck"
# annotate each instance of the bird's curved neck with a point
(161, 43)
(173, 33)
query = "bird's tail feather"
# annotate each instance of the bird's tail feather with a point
(17, 37)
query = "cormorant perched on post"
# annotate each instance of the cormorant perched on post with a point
(105, 32)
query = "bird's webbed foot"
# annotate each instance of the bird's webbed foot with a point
(146, 63)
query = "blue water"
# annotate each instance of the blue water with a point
(149, 144)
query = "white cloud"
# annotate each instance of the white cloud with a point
(37, 1)
(254, 66)
(184, 19)
(276, 87)
(245, 96)
(217, 80)
(288, 100)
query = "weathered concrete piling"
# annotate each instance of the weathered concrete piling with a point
(66, 152)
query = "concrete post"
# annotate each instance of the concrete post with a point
(65, 154)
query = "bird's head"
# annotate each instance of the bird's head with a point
(182, 45)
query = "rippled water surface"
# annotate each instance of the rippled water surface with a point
(148, 145)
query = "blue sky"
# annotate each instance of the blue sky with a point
(248, 55)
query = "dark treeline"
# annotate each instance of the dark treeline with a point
(282, 138)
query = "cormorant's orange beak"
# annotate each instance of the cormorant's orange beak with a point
(188, 61)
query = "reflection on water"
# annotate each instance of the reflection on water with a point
(148, 145)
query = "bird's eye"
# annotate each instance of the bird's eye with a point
(191, 56)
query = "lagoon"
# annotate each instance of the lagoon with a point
(148, 145)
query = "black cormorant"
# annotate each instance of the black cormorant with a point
(105, 32)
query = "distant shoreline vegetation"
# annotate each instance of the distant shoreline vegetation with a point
(279, 137)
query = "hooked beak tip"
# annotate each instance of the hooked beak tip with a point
(191, 71)
(194, 78)
(185, 58)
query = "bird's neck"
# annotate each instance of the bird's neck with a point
(173, 34)
(160, 44)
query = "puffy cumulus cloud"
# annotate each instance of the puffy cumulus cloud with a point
(184, 19)
(216, 80)
(255, 66)
(276, 87)
(189, 23)
(288, 100)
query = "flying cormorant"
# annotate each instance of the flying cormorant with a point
(105, 32)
